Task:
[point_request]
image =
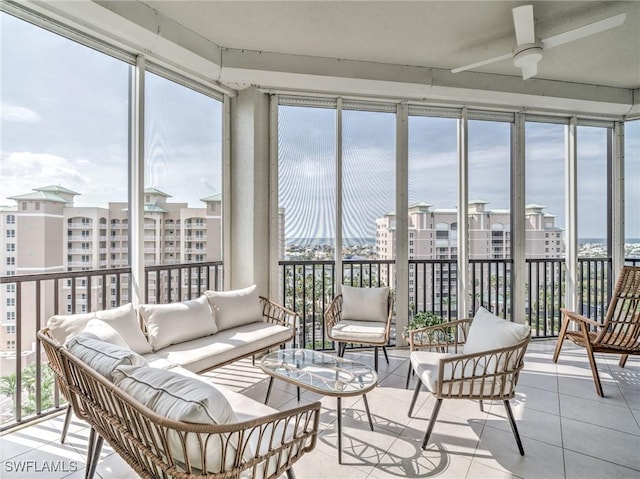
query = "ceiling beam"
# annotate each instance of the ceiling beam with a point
(141, 29)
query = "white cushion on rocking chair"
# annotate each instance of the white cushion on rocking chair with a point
(369, 332)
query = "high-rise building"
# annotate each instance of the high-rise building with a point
(433, 235)
(45, 233)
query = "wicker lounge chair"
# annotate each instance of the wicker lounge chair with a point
(367, 320)
(620, 331)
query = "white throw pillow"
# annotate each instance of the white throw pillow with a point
(235, 308)
(181, 398)
(101, 356)
(488, 331)
(365, 304)
(63, 326)
(177, 322)
(104, 332)
(123, 319)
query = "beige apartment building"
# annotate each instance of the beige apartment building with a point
(433, 235)
(45, 233)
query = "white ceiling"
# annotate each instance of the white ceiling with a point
(379, 49)
(438, 34)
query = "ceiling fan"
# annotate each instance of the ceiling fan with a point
(529, 50)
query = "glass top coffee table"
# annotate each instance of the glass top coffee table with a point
(324, 374)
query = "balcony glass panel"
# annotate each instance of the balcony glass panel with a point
(433, 197)
(368, 178)
(545, 225)
(182, 127)
(632, 191)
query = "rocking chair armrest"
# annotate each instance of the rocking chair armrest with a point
(573, 316)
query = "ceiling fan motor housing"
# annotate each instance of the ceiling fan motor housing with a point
(527, 54)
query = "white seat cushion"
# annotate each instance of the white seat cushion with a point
(177, 322)
(247, 409)
(365, 304)
(357, 331)
(206, 353)
(235, 308)
(181, 398)
(426, 364)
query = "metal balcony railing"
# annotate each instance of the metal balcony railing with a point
(307, 287)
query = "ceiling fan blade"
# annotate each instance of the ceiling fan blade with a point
(529, 70)
(585, 31)
(484, 62)
(523, 24)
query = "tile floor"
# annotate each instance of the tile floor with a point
(566, 429)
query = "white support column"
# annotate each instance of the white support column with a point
(463, 215)
(227, 199)
(571, 214)
(249, 192)
(338, 251)
(402, 221)
(275, 239)
(136, 182)
(518, 238)
(617, 200)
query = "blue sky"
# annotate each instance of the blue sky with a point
(64, 121)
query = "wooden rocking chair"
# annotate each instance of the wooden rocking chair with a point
(620, 332)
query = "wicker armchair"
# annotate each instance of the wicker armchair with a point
(369, 332)
(620, 332)
(450, 374)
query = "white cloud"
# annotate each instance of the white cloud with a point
(19, 114)
(22, 171)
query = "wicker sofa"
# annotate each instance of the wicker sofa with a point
(158, 414)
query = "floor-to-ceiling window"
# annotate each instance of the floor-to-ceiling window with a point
(307, 213)
(593, 218)
(489, 193)
(368, 195)
(545, 160)
(632, 191)
(63, 165)
(433, 222)
(183, 186)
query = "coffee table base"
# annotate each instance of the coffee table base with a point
(338, 414)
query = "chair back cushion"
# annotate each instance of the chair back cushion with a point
(365, 304)
(235, 308)
(488, 331)
(177, 322)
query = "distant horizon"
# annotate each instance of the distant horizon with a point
(318, 241)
